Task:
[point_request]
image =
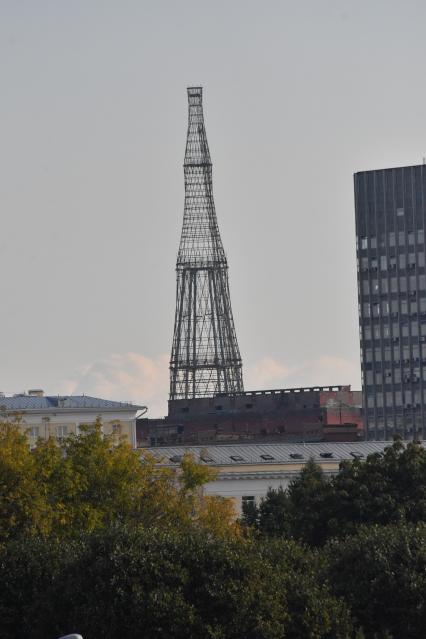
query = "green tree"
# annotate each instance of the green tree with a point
(381, 574)
(163, 583)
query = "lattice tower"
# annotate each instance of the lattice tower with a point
(205, 356)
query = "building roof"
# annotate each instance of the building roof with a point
(66, 402)
(240, 454)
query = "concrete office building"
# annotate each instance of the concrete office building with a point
(390, 207)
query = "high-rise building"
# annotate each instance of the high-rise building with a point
(205, 356)
(390, 207)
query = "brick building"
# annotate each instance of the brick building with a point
(331, 413)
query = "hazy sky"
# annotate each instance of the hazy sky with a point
(93, 112)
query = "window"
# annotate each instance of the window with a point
(356, 455)
(397, 375)
(370, 401)
(326, 455)
(412, 283)
(61, 431)
(185, 409)
(248, 406)
(414, 329)
(398, 398)
(393, 285)
(378, 354)
(376, 331)
(403, 284)
(378, 377)
(385, 308)
(383, 263)
(400, 212)
(368, 355)
(219, 407)
(420, 236)
(364, 243)
(116, 429)
(411, 260)
(296, 456)
(422, 304)
(384, 286)
(401, 238)
(421, 259)
(205, 457)
(411, 237)
(404, 329)
(236, 458)
(391, 239)
(34, 431)
(369, 377)
(386, 330)
(422, 282)
(365, 287)
(247, 499)
(267, 457)
(374, 286)
(373, 242)
(176, 459)
(367, 332)
(376, 309)
(402, 260)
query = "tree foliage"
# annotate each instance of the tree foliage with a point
(90, 481)
(164, 584)
(381, 574)
(385, 488)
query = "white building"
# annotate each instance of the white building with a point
(246, 471)
(61, 415)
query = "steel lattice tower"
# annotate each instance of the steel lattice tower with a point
(205, 356)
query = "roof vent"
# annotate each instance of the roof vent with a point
(36, 392)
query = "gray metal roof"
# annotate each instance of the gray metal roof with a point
(58, 402)
(239, 454)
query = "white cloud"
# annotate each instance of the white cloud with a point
(125, 377)
(323, 371)
(145, 380)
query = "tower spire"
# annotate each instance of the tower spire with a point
(205, 356)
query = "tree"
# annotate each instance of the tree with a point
(381, 574)
(164, 583)
(91, 481)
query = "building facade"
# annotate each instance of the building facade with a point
(43, 416)
(245, 472)
(390, 206)
(331, 413)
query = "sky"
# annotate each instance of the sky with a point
(298, 95)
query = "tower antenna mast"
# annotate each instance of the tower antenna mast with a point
(205, 357)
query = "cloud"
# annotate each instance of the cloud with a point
(323, 371)
(145, 380)
(125, 377)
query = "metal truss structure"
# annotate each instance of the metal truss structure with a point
(205, 356)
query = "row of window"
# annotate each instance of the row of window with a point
(383, 308)
(399, 399)
(394, 353)
(62, 431)
(382, 286)
(392, 239)
(406, 375)
(398, 330)
(403, 261)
